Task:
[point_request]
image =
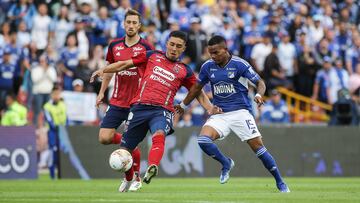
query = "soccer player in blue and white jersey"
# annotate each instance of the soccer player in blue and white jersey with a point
(229, 76)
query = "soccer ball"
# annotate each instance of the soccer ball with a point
(120, 160)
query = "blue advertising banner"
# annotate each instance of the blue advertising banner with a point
(18, 153)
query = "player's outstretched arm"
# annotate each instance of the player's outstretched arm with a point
(112, 68)
(104, 85)
(260, 88)
(206, 104)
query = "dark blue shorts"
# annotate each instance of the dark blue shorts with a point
(114, 117)
(143, 118)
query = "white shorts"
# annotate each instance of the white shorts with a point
(241, 122)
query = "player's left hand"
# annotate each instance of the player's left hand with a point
(215, 110)
(99, 73)
(259, 100)
(179, 110)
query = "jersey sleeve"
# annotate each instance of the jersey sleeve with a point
(110, 55)
(141, 58)
(189, 79)
(251, 75)
(203, 75)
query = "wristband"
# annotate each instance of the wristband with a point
(258, 95)
(182, 105)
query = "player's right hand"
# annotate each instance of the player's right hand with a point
(215, 110)
(179, 110)
(99, 100)
(99, 73)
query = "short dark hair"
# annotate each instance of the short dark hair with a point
(179, 34)
(132, 12)
(217, 39)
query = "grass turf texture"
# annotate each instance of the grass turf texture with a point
(191, 190)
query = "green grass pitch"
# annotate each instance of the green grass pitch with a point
(187, 190)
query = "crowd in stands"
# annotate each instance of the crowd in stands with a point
(309, 46)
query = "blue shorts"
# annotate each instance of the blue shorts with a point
(114, 117)
(143, 118)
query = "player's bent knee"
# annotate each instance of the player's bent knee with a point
(106, 136)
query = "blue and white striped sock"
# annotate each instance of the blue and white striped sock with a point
(208, 146)
(269, 163)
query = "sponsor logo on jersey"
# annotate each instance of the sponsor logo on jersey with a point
(137, 49)
(230, 68)
(159, 79)
(213, 69)
(118, 48)
(136, 53)
(160, 56)
(127, 73)
(158, 60)
(231, 74)
(223, 89)
(164, 73)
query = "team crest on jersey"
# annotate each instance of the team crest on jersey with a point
(176, 68)
(231, 74)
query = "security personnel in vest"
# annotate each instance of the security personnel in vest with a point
(55, 115)
(15, 113)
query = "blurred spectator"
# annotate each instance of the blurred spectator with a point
(4, 34)
(21, 10)
(60, 27)
(15, 113)
(23, 35)
(353, 55)
(274, 74)
(321, 51)
(182, 15)
(295, 26)
(186, 120)
(260, 51)
(173, 26)
(343, 39)
(316, 31)
(152, 35)
(339, 79)
(69, 61)
(230, 33)
(196, 44)
(344, 111)
(306, 65)
(287, 57)
(55, 114)
(97, 61)
(41, 28)
(211, 21)
(18, 58)
(252, 36)
(43, 77)
(275, 110)
(198, 114)
(322, 85)
(199, 8)
(82, 43)
(7, 75)
(102, 29)
(83, 73)
(78, 85)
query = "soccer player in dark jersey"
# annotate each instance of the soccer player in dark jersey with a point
(229, 76)
(152, 107)
(126, 84)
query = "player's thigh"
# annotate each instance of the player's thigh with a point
(216, 127)
(136, 128)
(161, 120)
(242, 123)
(114, 117)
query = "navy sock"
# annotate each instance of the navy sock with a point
(208, 146)
(269, 163)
